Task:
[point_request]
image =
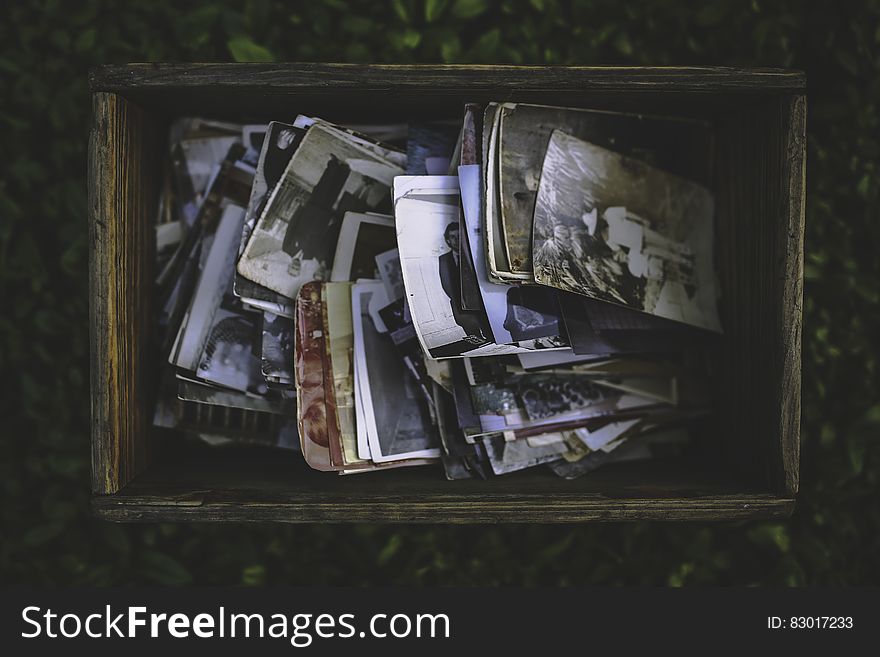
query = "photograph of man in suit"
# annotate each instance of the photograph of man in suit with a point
(450, 279)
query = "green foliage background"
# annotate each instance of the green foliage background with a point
(47, 535)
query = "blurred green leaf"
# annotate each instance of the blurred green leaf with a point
(402, 10)
(434, 8)
(390, 549)
(411, 38)
(469, 8)
(254, 575)
(245, 50)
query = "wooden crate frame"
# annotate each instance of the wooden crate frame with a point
(139, 473)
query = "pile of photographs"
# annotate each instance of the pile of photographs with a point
(522, 286)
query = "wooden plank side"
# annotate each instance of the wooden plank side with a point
(446, 510)
(790, 292)
(304, 76)
(122, 190)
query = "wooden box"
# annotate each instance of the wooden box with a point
(746, 465)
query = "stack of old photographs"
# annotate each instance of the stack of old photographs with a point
(564, 280)
(214, 387)
(529, 286)
(226, 283)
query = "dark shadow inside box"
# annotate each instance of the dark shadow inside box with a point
(737, 449)
(254, 473)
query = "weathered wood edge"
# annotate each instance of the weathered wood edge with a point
(121, 508)
(102, 295)
(120, 243)
(791, 300)
(316, 76)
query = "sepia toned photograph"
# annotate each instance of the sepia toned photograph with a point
(680, 146)
(339, 343)
(619, 230)
(310, 377)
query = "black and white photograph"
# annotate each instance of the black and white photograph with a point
(230, 186)
(209, 289)
(426, 212)
(277, 147)
(231, 356)
(515, 313)
(616, 229)
(601, 436)
(218, 340)
(196, 161)
(390, 273)
(373, 138)
(456, 452)
(539, 401)
(543, 397)
(362, 238)
(295, 237)
(512, 456)
(220, 425)
(398, 322)
(277, 349)
(545, 359)
(189, 389)
(253, 135)
(680, 146)
(397, 421)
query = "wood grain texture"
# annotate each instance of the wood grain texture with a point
(448, 78)
(198, 483)
(790, 292)
(123, 192)
(214, 507)
(383, 93)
